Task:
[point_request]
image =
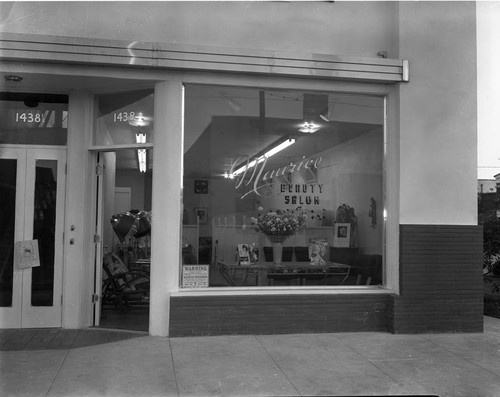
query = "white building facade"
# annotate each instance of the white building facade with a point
(192, 92)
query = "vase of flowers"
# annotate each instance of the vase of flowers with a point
(278, 226)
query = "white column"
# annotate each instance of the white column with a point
(78, 260)
(166, 202)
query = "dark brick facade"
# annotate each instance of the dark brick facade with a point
(441, 291)
(278, 314)
(440, 278)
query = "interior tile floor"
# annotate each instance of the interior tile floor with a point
(132, 319)
(344, 364)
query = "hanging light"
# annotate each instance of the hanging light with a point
(141, 153)
(140, 137)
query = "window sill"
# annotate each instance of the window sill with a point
(312, 290)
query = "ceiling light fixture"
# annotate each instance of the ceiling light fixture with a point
(236, 106)
(327, 114)
(141, 153)
(260, 159)
(140, 137)
(139, 121)
(324, 117)
(233, 104)
(309, 127)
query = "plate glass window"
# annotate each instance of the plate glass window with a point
(282, 188)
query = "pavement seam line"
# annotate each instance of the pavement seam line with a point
(277, 365)
(468, 359)
(173, 365)
(345, 343)
(57, 373)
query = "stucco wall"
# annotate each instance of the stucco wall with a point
(438, 121)
(357, 28)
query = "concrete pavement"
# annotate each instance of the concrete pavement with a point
(345, 364)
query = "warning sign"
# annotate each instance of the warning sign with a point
(195, 276)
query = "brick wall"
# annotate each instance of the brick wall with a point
(440, 280)
(277, 314)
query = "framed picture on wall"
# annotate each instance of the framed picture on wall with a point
(202, 214)
(243, 254)
(342, 235)
(201, 186)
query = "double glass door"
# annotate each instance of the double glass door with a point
(32, 196)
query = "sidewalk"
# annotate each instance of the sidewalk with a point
(265, 365)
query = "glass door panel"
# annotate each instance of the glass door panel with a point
(44, 222)
(12, 198)
(8, 173)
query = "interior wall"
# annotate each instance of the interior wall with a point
(355, 177)
(136, 181)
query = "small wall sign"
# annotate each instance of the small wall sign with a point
(195, 276)
(26, 254)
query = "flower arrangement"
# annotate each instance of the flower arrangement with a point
(278, 225)
(345, 214)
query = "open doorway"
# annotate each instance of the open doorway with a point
(124, 227)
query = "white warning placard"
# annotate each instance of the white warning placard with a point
(195, 276)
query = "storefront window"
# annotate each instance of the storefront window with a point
(282, 188)
(125, 118)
